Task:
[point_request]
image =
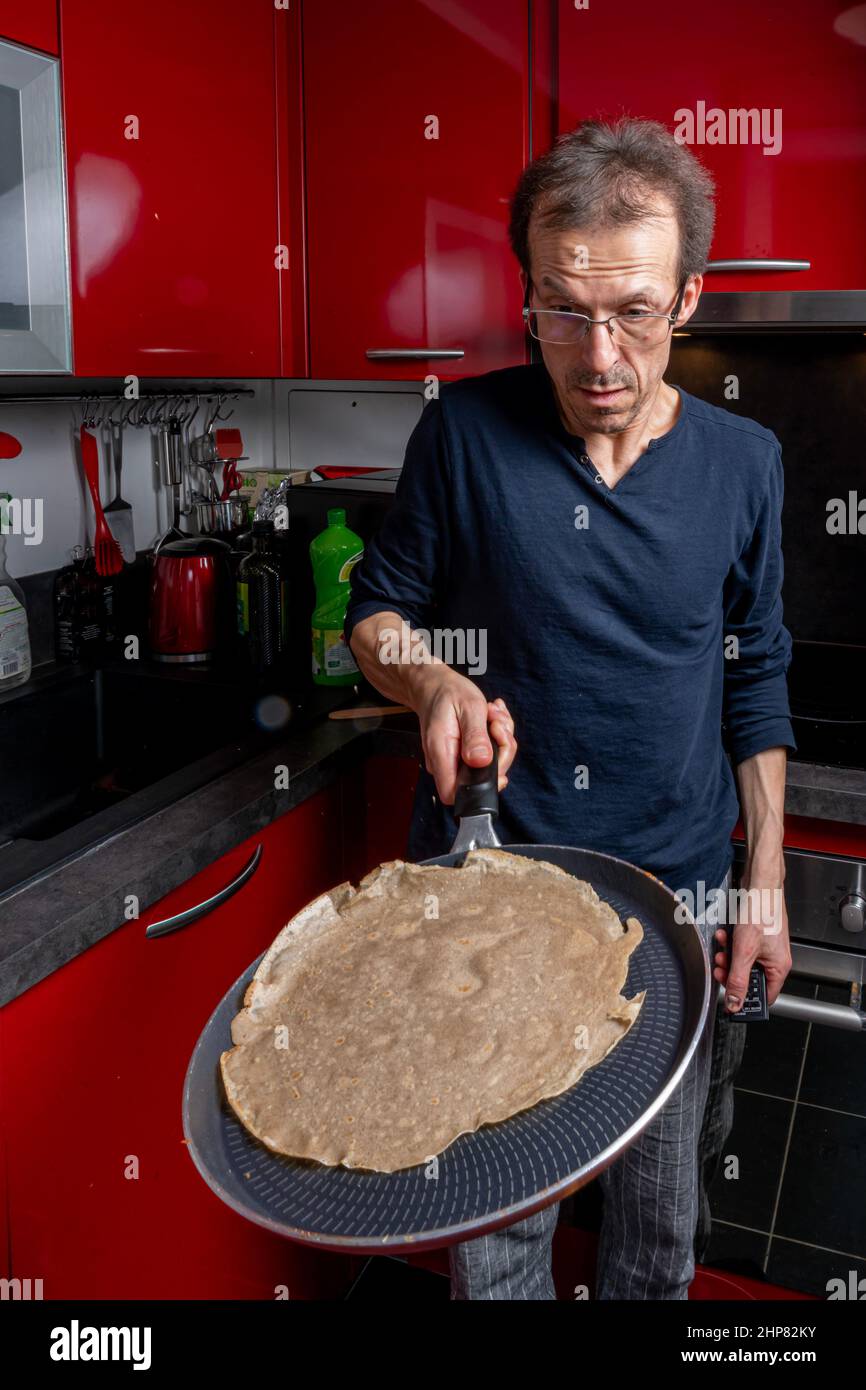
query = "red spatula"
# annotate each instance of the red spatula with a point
(10, 447)
(106, 551)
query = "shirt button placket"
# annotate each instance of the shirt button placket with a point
(584, 458)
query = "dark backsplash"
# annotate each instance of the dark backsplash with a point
(810, 389)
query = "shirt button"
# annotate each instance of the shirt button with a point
(599, 478)
(584, 458)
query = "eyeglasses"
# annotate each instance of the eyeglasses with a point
(637, 328)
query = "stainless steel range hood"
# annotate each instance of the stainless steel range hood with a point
(770, 311)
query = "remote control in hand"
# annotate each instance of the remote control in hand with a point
(755, 1008)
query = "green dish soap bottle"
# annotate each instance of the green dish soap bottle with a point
(334, 554)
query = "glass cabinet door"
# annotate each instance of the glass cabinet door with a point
(34, 265)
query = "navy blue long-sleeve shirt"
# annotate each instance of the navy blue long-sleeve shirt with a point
(606, 611)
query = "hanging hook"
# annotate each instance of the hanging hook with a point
(219, 415)
(88, 416)
(129, 412)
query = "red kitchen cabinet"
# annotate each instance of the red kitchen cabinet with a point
(378, 798)
(94, 1059)
(33, 23)
(179, 187)
(803, 60)
(407, 235)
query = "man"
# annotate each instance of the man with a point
(618, 542)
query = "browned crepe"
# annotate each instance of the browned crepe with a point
(375, 1032)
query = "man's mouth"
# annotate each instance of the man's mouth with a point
(601, 396)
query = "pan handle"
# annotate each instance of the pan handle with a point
(478, 788)
(476, 802)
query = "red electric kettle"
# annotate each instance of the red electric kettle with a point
(190, 600)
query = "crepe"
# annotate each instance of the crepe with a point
(385, 1021)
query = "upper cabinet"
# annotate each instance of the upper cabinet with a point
(31, 22)
(184, 228)
(770, 96)
(416, 133)
(34, 280)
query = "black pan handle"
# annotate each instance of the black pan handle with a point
(478, 788)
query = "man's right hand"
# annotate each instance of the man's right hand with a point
(455, 715)
(457, 723)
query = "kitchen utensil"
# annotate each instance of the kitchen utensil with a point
(168, 457)
(217, 446)
(233, 514)
(106, 551)
(118, 513)
(369, 712)
(186, 418)
(503, 1172)
(204, 515)
(10, 447)
(231, 479)
(191, 595)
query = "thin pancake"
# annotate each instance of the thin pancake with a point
(385, 1021)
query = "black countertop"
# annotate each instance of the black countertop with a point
(55, 917)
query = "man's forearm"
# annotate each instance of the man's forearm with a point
(761, 781)
(377, 643)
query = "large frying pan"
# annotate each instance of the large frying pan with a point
(503, 1172)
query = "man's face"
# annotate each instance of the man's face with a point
(603, 385)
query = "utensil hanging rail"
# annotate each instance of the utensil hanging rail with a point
(119, 397)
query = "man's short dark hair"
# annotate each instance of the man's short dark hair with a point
(610, 175)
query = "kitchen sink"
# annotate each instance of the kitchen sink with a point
(87, 752)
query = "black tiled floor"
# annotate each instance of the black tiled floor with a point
(758, 1140)
(822, 1200)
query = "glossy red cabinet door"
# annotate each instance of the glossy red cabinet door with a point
(31, 22)
(94, 1059)
(804, 59)
(407, 235)
(174, 232)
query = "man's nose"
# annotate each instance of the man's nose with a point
(598, 351)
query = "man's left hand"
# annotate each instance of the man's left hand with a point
(760, 935)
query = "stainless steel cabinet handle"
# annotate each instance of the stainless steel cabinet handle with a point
(771, 263)
(414, 354)
(192, 914)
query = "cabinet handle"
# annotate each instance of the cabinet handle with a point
(192, 914)
(772, 263)
(414, 354)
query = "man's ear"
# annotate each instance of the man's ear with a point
(690, 300)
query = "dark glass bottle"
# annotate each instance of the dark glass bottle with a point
(83, 609)
(258, 598)
(283, 554)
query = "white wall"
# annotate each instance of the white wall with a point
(47, 471)
(360, 423)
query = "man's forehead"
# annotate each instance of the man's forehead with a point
(605, 251)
